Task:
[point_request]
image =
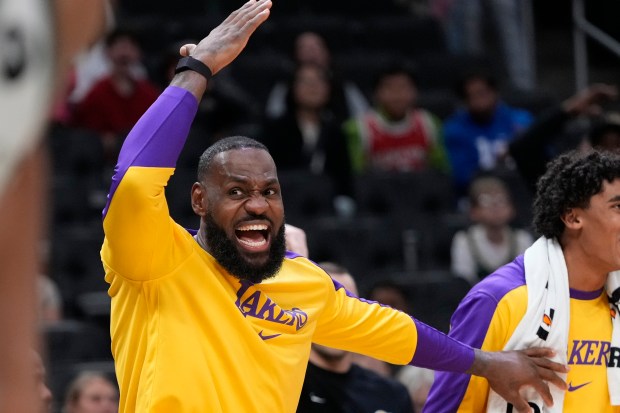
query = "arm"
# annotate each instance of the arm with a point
(531, 148)
(136, 220)
(381, 332)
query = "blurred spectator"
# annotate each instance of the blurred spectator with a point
(477, 136)
(91, 392)
(490, 242)
(310, 48)
(334, 383)
(390, 293)
(465, 25)
(116, 102)
(550, 135)
(307, 136)
(418, 381)
(50, 301)
(92, 64)
(395, 135)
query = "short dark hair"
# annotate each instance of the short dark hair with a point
(570, 181)
(121, 33)
(388, 284)
(395, 68)
(225, 145)
(485, 77)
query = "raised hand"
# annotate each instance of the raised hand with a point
(509, 371)
(227, 40)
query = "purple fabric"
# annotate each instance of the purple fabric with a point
(291, 255)
(470, 323)
(585, 295)
(437, 351)
(158, 137)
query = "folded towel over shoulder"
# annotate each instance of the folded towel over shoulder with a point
(547, 319)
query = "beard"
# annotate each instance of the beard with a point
(228, 256)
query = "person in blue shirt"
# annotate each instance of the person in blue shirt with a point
(477, 136)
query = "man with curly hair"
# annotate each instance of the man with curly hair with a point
(560, 294)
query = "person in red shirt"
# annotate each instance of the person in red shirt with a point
(116, 102)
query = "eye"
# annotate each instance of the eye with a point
(271, 192)
(235, 192)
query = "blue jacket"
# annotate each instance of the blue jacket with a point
(472, 146)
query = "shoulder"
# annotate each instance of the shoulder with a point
(303, 268)
(505, 279)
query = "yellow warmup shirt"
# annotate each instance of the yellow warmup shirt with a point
(189, 337)
(489, 315)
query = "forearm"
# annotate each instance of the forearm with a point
(437, 351)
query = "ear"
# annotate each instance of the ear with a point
(572, 219)
(200, 202)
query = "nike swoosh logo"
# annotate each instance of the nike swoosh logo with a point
(574, 388)
(268, 336)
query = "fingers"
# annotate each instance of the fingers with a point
(237, 14)
(248, 11)
(543, 389)
(522, 406)
(539, 352)
(187, 49)
(256, 21)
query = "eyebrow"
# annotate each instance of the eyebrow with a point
(244, 180)
(614, 199)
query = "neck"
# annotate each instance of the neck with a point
(123, 84)
(334, 364)
(308, 115)
(495, 234)
(201, 239)
(585, 273)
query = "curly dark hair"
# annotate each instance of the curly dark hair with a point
(570, 182)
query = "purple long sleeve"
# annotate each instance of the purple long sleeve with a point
(437, 351)
(158, 137)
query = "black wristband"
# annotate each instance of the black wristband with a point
(189, 63)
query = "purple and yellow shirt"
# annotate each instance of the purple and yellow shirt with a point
(486, 319)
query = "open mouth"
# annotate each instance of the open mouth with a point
(253, 237)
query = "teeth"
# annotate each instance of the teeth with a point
(253, 244)
(257, 227)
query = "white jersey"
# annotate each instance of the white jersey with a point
(26, 78)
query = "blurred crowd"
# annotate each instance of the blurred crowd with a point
(404, 151)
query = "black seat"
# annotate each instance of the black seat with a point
(406, 34)
(365, 246)
(306, 196)
(408, 197)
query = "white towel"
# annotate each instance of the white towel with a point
(547, 320)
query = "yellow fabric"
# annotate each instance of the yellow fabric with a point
(186, 336)
(590, 329)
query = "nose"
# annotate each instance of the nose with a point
(256, 204)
